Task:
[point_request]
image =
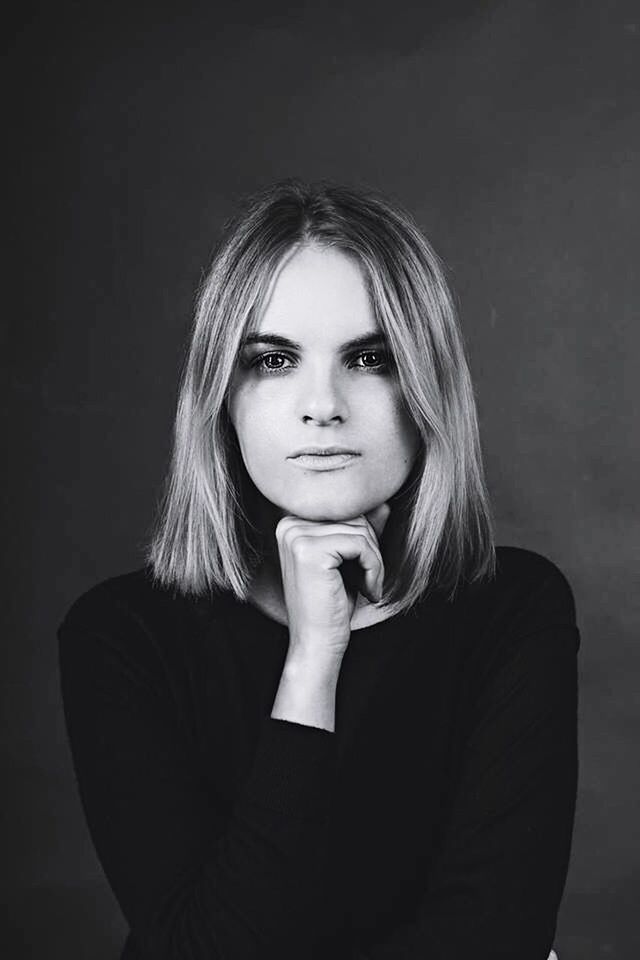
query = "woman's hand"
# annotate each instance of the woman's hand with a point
(319, 603)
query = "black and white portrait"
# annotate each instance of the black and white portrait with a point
(321, 527)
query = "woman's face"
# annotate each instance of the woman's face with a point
(320, 391)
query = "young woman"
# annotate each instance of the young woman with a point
(328, 718)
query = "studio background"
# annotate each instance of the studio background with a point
(511, 130)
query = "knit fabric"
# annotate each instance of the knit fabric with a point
(434, 823)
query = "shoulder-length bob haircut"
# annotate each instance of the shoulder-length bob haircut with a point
(440, 533)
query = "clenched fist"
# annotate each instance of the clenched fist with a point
(319, 602)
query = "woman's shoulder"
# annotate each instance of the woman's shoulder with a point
(517, 565)
(129, 629)
(519, 622)
(133, 591)
(526, 589)
(135, 602)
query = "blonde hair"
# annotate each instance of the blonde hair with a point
(440, 532)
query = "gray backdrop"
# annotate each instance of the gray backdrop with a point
(512, 131)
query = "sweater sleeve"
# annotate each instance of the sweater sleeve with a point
(496, 884)
(193, 881)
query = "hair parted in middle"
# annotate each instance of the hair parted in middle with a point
(439, 533)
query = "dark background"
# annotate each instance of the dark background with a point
(512, 131)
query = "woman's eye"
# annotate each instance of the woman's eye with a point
(260, 362)
(373, 353)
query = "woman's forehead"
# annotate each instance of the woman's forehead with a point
(317, 291)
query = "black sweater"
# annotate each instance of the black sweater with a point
(434, 823)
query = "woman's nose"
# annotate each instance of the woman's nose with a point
(320, 397)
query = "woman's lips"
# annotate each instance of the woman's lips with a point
(324, 461)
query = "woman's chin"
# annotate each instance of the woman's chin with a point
(329, 512)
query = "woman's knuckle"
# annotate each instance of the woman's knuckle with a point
(301, 548)
(281, 528)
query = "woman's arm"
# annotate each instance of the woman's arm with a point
(193, 882)
(496, 885)
(307, 690)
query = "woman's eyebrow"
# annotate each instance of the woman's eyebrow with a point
(365, 340)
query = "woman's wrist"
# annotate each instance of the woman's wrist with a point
(307, 690)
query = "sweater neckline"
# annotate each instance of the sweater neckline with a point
(283, 627)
